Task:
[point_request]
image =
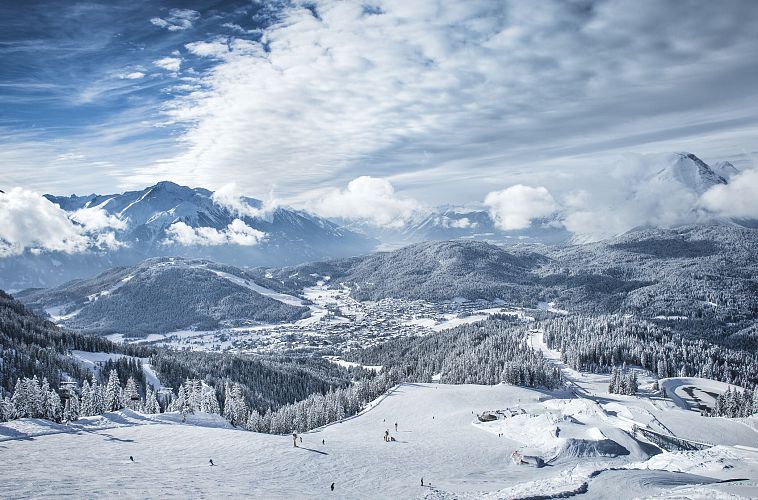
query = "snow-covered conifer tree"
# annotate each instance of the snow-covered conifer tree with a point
(151, 405)
(86, 404)
(209, 403)
(131, 395)
(113, 393)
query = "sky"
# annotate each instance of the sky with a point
(374, 108)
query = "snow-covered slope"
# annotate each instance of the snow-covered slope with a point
(439, 439)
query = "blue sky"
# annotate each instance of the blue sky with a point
(436, 101)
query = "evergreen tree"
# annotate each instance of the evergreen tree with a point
(21, 399)
(86, 405)
(54, 408)
(253, 421)
(151, 405)
(113, 393)
(7, 410)
(209, 403)
(71, 408)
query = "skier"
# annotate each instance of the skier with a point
(211, 462)
(395, 426)
(422, 481)
(386, 435)
(323, 441)
(332, 486)
(301, 439)
(294, 439)
(131, 458)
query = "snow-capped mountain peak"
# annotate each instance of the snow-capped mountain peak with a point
(688, 170)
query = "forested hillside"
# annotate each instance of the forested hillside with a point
(701, 279)
(159, 296)
(31, 346)
(34, 352)
(487, 352)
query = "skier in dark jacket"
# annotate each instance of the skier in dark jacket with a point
(332, 486)
(211, 462)
(131, 458)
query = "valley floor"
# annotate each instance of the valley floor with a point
(584, 442)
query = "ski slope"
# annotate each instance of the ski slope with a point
(439, 438)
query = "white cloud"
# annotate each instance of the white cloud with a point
(169, 63)
(452, 95)
(367, 199)
(230, 197)
(737, 199)
(134, 75)
(95, 219)
(236, 233)
(29, 221)
(460, 223)
(177, 19)
(637, 190)
(515, 207)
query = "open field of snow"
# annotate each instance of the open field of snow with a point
(439, 438)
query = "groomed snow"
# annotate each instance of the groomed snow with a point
(439, 438)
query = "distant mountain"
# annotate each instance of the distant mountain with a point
(702, 273)
(457, 223)
(150, 217)
(689, 171)
(162, 295)
(725, 169)
(453, 223)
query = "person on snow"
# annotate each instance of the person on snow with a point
(386, 435)
(395, 426)
(211, 462)
(323, 441)
(131, 458)
(294, 439)
(422, 481)
(301, 439)
(332, 486)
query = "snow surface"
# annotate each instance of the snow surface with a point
(350, 364)
(439, 438)
(693, 392)
(94, 360)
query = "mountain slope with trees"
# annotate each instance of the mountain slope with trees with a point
(161, 295)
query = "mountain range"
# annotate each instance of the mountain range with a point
(171, 220)
(677, 171)
(700, 277)
(167, 219)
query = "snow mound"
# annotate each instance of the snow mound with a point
(198, 419)
(579, 448)
(562, 429)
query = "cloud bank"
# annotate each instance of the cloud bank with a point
(236, 233)
(29, 221)
(443, 94)
(737, 199)
(516, 206)
(366, 199)
(230, 197)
